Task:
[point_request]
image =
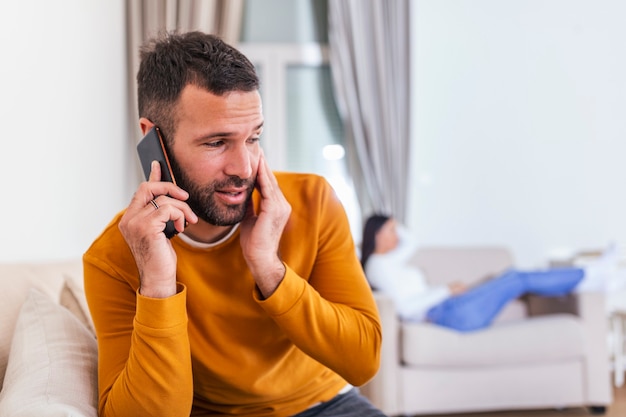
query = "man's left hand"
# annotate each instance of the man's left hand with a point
(261, 232)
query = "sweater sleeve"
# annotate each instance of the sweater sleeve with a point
(144, 364)
(331, 314)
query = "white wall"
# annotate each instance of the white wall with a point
(519, 124)
(520, 120)
(63, 125)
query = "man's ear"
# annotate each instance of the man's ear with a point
(145, 125)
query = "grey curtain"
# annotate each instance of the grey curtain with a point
(146, 18)
(369, 59)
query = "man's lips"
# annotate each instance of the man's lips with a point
(232, 195)
(232, 190)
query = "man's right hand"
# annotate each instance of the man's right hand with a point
(154, 203)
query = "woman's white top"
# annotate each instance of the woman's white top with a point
(391, 274)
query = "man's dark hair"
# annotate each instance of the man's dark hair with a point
(173, 60)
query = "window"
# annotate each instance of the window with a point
(303, 131)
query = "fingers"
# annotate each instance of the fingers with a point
(166, 195)
(155, 171)
(267, 184)
(155, 203)
(163, 208)
(158, 187)
(149, 219)
(273, 212)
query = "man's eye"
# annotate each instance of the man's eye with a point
(214, 144)
(254, 140)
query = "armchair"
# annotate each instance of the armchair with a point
(530, 358)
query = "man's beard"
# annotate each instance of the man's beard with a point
(202, 198)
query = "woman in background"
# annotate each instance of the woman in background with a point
(387, 248)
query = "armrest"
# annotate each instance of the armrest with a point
(592, 311)
(382, 390)
(590, 307)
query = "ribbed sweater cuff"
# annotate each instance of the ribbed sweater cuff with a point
(163, 313)
(290, 290)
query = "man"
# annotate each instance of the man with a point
(259, 306)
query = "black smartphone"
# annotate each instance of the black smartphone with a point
(152, 148)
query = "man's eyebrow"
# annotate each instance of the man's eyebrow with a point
(224, 134)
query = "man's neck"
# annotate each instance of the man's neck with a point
(206, 233)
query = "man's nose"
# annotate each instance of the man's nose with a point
(239, 162)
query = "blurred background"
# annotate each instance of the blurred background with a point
(516, 119)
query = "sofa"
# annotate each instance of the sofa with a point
(48, 350)
(539, 353)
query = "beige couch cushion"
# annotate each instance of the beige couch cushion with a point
(74, 299)
(52, 369)
(16, 279)
(513, 342)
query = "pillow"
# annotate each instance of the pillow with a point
(52, 368)
(73, 298)
(16, 279)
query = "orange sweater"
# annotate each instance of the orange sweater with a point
(215, 347)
